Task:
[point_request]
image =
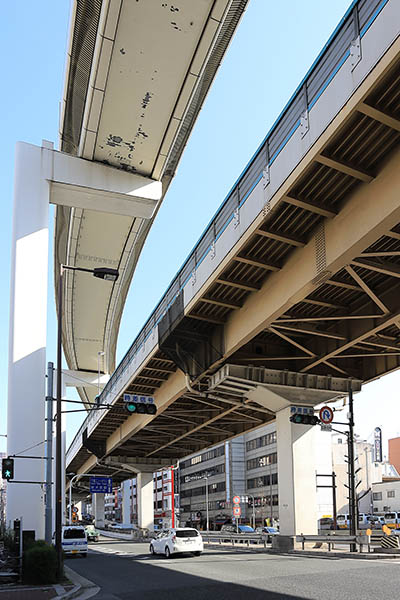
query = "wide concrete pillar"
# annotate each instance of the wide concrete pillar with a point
(98, 509)
(27, 336)
(145, 500)
(296, 476)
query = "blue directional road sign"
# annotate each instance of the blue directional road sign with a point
(100, 485)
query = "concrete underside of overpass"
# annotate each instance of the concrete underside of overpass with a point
(137, 75)
(312, 286)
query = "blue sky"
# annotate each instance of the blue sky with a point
(274, 46)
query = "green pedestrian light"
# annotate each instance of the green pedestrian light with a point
(7, 468)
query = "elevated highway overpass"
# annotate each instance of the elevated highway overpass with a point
(137, 74)
(298, 271)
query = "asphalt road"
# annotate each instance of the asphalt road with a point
(126, 570)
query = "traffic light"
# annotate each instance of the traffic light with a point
(304, 419)
(7, 468)
(140, 408)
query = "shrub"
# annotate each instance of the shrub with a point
(40, 564)
(7, 536)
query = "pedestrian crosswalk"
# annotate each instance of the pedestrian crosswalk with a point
(107, 550)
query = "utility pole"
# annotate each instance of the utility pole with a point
(352, 488)
(207, 519)
(49, 455)
(270, 496)
(334, 504)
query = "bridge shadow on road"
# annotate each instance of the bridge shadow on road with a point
(144, 577)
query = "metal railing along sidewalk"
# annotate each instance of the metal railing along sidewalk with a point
(234, 538)
(332, 539)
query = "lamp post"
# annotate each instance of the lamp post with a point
(208, 523)
(108, 275)
(254, 514)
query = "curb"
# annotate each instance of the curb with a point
(83, 588)
(333, 554)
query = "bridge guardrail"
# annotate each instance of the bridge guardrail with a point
(354, 25)
(234, 538)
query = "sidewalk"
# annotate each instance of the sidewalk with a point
(77, 587)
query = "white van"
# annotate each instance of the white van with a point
(74, 540)
(342, 521)
(392, 520)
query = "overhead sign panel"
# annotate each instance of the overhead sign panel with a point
(378, 444)
(100, 485)
(138, 399)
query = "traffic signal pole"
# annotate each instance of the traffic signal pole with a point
(48, 525)
(352, 486)
(58, 490)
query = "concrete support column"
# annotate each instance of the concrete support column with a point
(27, 335)
(145, 500)
(98, 509)
(126, 501)
(296, 476)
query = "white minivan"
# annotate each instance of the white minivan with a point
(74, 540)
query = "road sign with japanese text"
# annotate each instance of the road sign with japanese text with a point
(100, 485)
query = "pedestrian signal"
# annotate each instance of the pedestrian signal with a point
(7, 468)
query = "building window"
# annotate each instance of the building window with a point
(264, 440)
(201, 491)
(216, 470)
(220, 451)
(262, 481)
(391, 493)
(377, 496)
(262, 461)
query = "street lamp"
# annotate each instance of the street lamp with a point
(254, 514)
(206, 478)
(108, 275)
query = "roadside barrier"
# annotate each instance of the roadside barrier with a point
(389, 541)
(331, 540)
(234, 538)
